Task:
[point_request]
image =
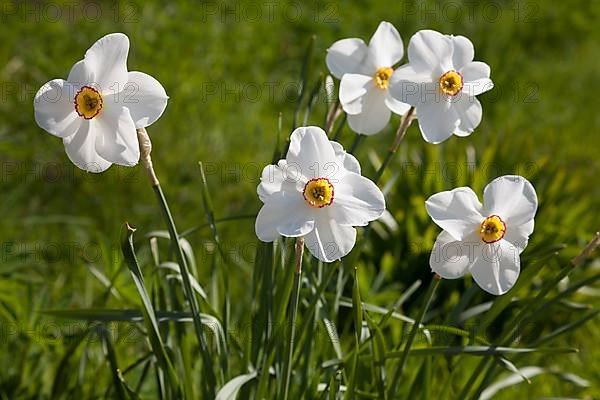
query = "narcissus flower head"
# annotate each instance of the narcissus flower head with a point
(485, 240)
(441, 80)
(317, 192)
(365, 73)
(97, 109)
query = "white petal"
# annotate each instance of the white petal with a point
(469, 112)
(518, 235)
(55, 110)
(374, 114)
(437, 120)
(357, 201)
(396, 106)
(145, 97)
(477, 87)
(347, 160)
(116, 137)
(385, 47)
(347, 56)
(80, 75)
(265, 225)
(463, 51)
(297, 221)
(476, 76)
(497, 268)
(430, 51)
(275, 178)
(330, 241)
(107, 62)
(284, 213)
(457, 211)
(413, 87)
(81, 149)
(311, 155)
(451, 258)
(512, 198)
(271, 180)
(353, 88)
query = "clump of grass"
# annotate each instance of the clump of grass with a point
(107, 331)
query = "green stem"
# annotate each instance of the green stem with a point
(287, 374)
(340, 127)
(332, 116)
(357, 141)
(413, 333)
(145, 149)
(400, 133)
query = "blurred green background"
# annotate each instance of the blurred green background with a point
(230, 68)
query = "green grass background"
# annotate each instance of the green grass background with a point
(230, 68)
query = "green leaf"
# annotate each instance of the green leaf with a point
(529, 372)
(230, 390)
(331, 330)
(185, 245)
(379, 350)
(136, 316)
(435, 281)
(357, 308)
(565, 328)
(480, 350)
(149, 315)
(195, 285)
(347, 302)
(303, 79)
(63, 370)
(112, 360)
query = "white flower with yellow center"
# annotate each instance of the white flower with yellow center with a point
(485, 240)
(365, 73)
(97, 109)
(316, 192)
(441, 80)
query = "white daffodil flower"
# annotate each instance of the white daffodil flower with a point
(97, 109)
(485, 240)
(316, 192)
(365, 73)
(441, 80)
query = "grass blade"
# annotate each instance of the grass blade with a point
(189, 291)
(480, 351)
(151, 323)
(230, 390)
(529, 372)
(112, 361)
(413, 333)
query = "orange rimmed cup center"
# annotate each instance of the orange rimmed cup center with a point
(492, 229)
(318, 192)
(451, 83)
(88, 102)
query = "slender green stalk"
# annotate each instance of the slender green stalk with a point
(413, 333)
(145, 149)
(334, 112)
(400, 133)
(287, 372)
(357, 141)
(312, 306)
(339, 128)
